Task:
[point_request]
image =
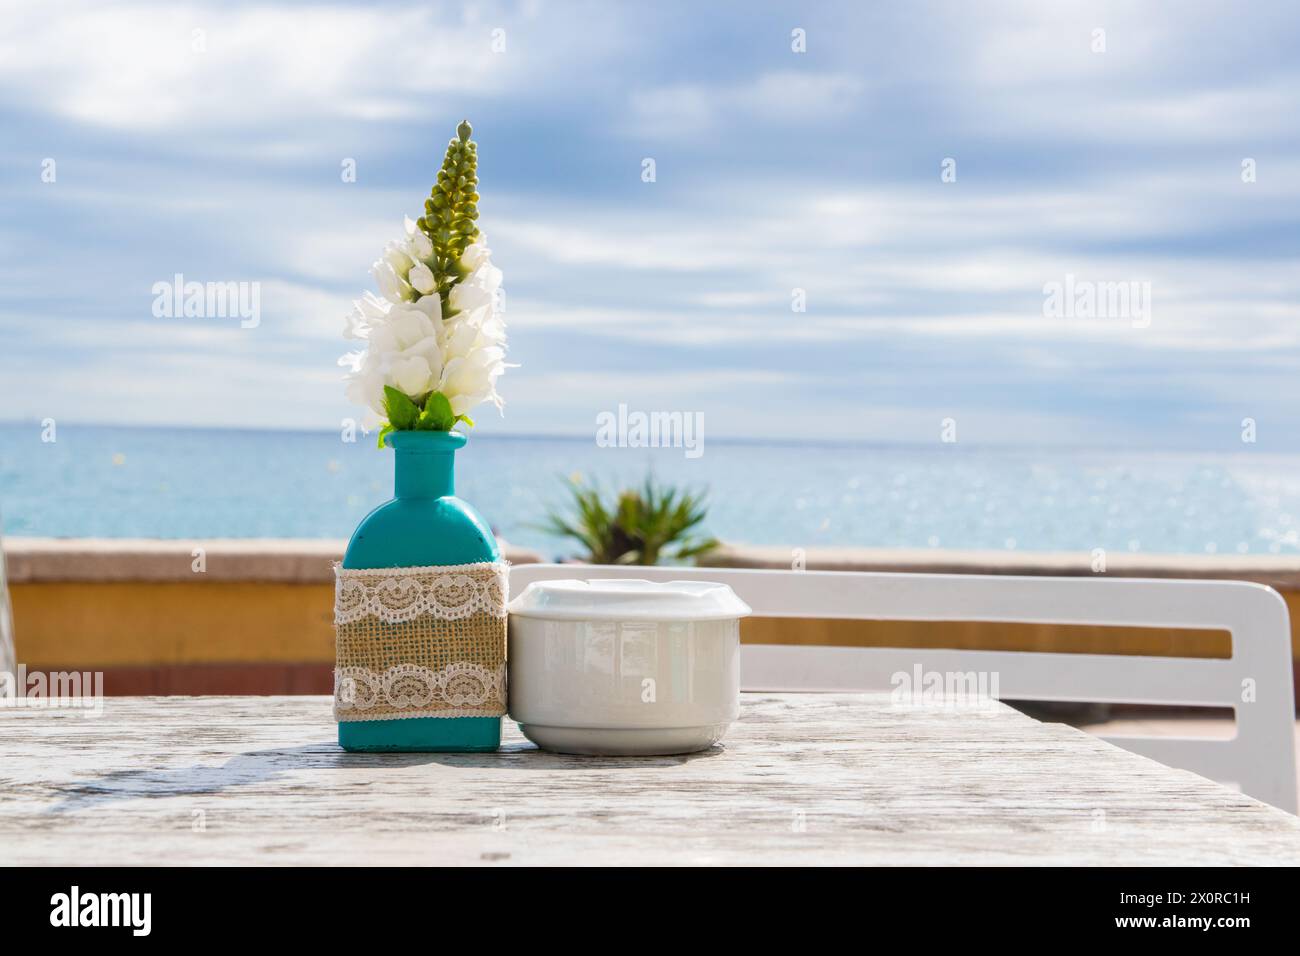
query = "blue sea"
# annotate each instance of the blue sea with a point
(197, 483)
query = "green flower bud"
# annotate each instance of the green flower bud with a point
(451, 211)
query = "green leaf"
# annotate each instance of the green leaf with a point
(437, 415)
(384, 433)
(466, 419)
(635, 525)
(402, 412)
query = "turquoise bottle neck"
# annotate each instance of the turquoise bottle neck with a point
(425, 465)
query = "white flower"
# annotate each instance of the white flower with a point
(367, 311)
(476, 290)
(421, 278)
(468, 381)
(404, 350)
(419, 244)
(407, 328)
(393, 287)
(473, 356)
(410, 346)
(475, 254)
(396, 256)
(365, 384)
(468, 331)
(412, 375)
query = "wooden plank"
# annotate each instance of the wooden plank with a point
(801, 779)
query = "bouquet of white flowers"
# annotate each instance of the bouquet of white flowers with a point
(435, 339)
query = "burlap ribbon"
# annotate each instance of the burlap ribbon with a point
(420, 642)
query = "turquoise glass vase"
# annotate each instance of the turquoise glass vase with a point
(424, 524)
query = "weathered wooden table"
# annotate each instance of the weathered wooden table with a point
(800, 779)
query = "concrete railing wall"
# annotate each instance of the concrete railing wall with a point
(255, 616)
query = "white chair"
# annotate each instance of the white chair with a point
(1255, 681)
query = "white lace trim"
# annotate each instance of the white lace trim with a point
(395, 595)
(462, 689)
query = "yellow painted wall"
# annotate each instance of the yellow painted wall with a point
(112, 624)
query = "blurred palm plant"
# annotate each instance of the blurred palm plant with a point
(635, 526)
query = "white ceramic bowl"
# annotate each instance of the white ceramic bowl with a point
(625, 666)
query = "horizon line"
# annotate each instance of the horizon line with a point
(724, 439)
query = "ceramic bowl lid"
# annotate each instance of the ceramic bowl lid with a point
(629, 599)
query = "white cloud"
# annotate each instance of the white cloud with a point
(914, 286)
(1168, 74)
(923, 261)
(775, 96)
(204, 65)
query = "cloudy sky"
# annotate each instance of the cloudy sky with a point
(210, 139)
